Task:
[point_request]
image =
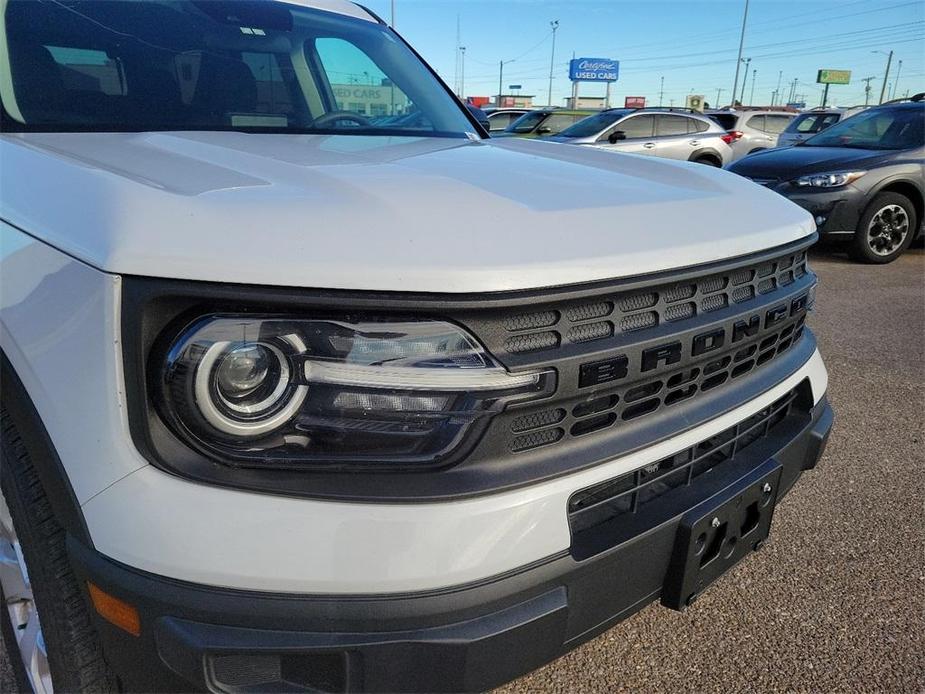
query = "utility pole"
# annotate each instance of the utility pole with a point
(501, 64)
(780, 74)
(867, 90)
(661, 92)
(392, 21)
(751, 99)
(793, 90)
(456, 67)
(735, 83)
(896, 81)
(552, 59)
(719, 91)
(886, 75)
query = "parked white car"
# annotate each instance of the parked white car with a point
(752, 130)
(281, 412)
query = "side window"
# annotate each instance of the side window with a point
(558, 122)
(637, 126)
(756, 122)
(671, 125)
(697, 126)
(358, 84)
(776, 124)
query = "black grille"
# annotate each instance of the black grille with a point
(603, 410)
(631, 492)
(633, 312)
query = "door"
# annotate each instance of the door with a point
(675, 137)
(638, 133)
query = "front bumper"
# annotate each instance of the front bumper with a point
(838, 209)
(465, 638)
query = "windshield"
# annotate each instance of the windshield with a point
(527, 122)
(248, 65)
(879, 128)
(812, 122)
(592, 125)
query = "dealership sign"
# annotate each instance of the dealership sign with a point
(593, 70)
(833, 77)
(634, 102)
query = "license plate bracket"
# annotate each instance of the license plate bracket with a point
(718, 533)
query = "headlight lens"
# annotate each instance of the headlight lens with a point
(829, 180)
(272, 390)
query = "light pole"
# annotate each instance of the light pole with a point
(661, 92)
(780, 74)
(735, 83)
(886, 74)
(501, 64)
(751, 99)
(719, 91)
(462, 73)
(899, 70)
(552, 59)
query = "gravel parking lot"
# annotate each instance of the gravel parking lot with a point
(836, 602)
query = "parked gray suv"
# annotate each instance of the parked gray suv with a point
(668, 133)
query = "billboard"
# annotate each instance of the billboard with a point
(593, 70)
(634, 102)
(833, 77)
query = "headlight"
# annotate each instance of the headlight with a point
(272, 390)
(829, 180)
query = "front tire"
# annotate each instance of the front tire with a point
(59, 650)
(709, 161)
(884, 230)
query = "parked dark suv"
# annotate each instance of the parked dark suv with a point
(862, 178)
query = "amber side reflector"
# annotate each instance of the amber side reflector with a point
(115, 611)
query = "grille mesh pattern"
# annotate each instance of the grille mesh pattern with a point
(579, 321)
(604, 410)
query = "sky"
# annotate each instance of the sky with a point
(692, 44)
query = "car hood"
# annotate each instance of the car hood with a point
(789, 162)
(382, 213)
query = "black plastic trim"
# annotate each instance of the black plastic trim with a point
(42, 453)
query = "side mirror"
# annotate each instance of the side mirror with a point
(543, 130)
(616, 136)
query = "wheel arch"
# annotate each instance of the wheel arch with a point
(908, 189)
(706, 153)
(42, 453)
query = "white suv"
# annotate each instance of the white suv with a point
(281, 413)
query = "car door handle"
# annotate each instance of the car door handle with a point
(649, 145)
(695, 143)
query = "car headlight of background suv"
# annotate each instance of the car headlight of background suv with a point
(828, 180)
(277, 391)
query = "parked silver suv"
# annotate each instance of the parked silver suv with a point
(670, 133)
(811, 122)
(752, 131)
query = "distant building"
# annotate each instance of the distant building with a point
(586, 102)
(514, 101)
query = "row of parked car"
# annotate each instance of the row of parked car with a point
(859, 171)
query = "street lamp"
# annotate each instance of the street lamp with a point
(501, 64)
(552, 59)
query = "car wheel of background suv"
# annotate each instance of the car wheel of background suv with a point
(63, 652)
(885, 229)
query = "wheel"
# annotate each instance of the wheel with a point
(885, 229)
(48, 633)
(709, 161)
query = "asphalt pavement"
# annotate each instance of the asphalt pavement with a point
(836, 600)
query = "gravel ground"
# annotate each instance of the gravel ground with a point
(836, 601)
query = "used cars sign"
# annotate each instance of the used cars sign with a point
(833, 77)
(593, 70)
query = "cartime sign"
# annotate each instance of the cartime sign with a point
(593, 70)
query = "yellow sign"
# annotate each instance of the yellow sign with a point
(833, 77)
